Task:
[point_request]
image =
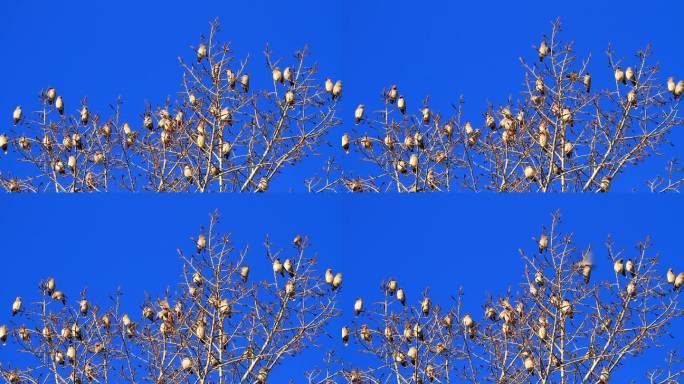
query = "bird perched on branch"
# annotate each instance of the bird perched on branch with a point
(358, 306)
(16, 115)
(543, 51)
(358, 113)
(278, 267)
(619, 267)
(16, 306)
(201, 52)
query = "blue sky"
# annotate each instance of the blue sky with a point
(442, 48)
(441, 242)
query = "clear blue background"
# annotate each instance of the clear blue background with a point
(106, 49)
(441, 241)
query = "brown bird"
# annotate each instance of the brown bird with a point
(231, 78)
(413, 161)
(543, 242)
(566, 308)
(358, 306)
(401, 104)
(670, 84)
(449, 129)
(59, 104)
(620, 76)
(277, 75)
(289, 288)
(278, 267)
(84, 115)
(83, 306)
(489, 121)
(148, 313)
(425, 306)
(288, 267)
(147, 122)
(587, 82)
(447, 321)
(418, 332)
(58, 357)
(619, 267)
(629, 75)
(539, 278)
(604, 185)
(289, 98)
(287, 75)
(345, 335)
(186, 364)
(71, 354)
(329, 277)
(365, 333)
(412, 354)
(541, 332)
(533, 289)
(568, 148)
(391, 286)
(679, 280)
(631, 289)
(244, 82)
(399, 358)
(106, 322)
(670, 276)
(468, 321)
(358, 113)
(201, 242)
(586, 264)
(426, 115)
(530, 173)
(392, 94)
(187, 172)
(389, 333)
(366, 142)
(197, 278)
(679, 88)
(16, 306)
(16, 115)
(543, 51)
(329, 85)
(4, 142)
(244, 273)
(71, 163)
(401, 296)
(345, 143)
(629, 266)
(337, 281)
(50, 95)
(632, 98)
(201, 52)
(401, 166)
(297, 241)
(58, 296)
(539, 85)
(529, 364)
(337, 89)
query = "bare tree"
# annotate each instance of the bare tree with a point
(221, 324)
(219, 134)
(560, 325)
(564, 133)
(568, 131)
